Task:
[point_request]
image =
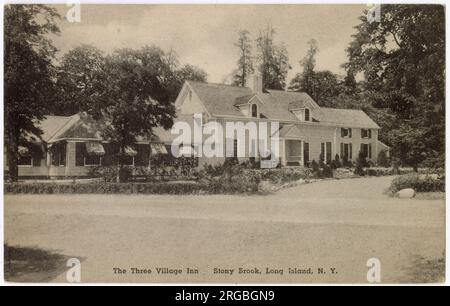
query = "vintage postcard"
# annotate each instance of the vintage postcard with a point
(244, 143)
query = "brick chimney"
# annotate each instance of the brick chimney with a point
(254, 82)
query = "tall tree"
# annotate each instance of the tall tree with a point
(245, 62)
(137, 98)
(273, 60)
(402, 58)
(29, 74)
(322, 86)
(80, 80)
(304, 80)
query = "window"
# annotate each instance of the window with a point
(325, 152)
(58, 154)
(254, 111)
(25, 158)
(366, 133)
(328, 152)
(306, 114)
(306, 152)
(25, 161)
(346, 151)
(346, 133)
(322, 151)
(366, 150)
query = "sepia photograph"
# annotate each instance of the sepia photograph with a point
(223, 144)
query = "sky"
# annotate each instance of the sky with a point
(204, 36)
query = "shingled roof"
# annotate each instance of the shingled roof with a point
(222, 101)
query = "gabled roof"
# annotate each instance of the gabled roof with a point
(219, 99)
(85, 127)
(222, 100)
(244, 99)
(344, 117)
(289, 131)
(53, 125)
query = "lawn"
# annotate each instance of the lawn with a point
(329, 224)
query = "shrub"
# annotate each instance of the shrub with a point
(108, 173)
(420, 183)
(383, 160)
(360, 164)
(237, 185)
(337, 162)
(346, 162)
(327, 171)
(315, 168)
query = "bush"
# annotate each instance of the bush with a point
(383, 160)
(420, 183)
(327, 171)
(237, 185)
(321, 170)
(336, 163)
(360, 164)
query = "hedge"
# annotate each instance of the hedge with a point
(221, 186)
(420, 183)
(104, 188)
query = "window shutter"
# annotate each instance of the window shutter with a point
(349, 133)
(342, 150)
(342, 132)
(370, 133)
(350, 149)
(370, 150)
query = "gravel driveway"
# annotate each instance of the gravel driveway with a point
(334, 225)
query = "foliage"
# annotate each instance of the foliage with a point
(382, 159)
(136, 99)
(108, 188)
(245, 64)
(28, 74)
(402, 58)
(321, 170)
(361, 163)
(336, 162)
(80, 80)
(322, 86)
(420, 183)
(163, 167)
(273, 60)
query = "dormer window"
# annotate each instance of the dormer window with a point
(307, 114)
(254, 111)
(303, 114)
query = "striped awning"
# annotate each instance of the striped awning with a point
(158, 148)
(129, 151)
(95, 148)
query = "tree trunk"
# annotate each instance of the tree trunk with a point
(12, 150)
